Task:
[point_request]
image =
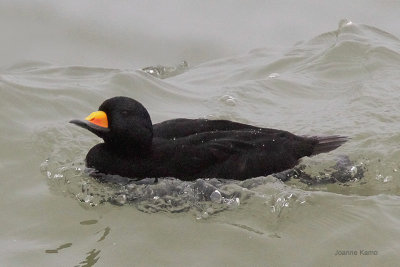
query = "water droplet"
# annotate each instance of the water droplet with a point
(388, 179)
(344, 23)
(85, 187)
(237, 200)
(353, 171)
(216, 196)
(229, 100)
(274, 75)
(234, 202)
(44, 166)
(210, 210)
(88, 198)
(121, 199)
(205, 215)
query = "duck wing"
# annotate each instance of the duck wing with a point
(235, 154)
(178, 128)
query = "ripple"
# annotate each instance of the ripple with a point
(228, 100)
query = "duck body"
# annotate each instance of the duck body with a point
(189, 149)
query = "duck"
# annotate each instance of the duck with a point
(189, 149)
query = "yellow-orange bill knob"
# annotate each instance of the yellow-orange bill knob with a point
(99, 118)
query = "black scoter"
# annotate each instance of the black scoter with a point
(191, 148)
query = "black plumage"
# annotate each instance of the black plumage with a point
(193, 148)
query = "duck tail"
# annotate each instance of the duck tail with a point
(328, 143)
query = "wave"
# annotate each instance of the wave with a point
(340, 82)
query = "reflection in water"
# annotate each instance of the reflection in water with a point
(93, 255)
(91, 259)
(106, 232)
(88, 222)
(67, 245)
(248, 228)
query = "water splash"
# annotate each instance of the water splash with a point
(202, 197)
(344, 22)
(163, 72)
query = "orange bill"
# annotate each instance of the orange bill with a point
(99, 118)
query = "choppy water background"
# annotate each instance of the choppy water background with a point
(345, 81)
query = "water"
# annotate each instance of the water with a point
(344, 80)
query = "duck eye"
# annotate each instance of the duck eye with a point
(125, 112)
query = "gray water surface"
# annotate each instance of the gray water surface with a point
(344, 80)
